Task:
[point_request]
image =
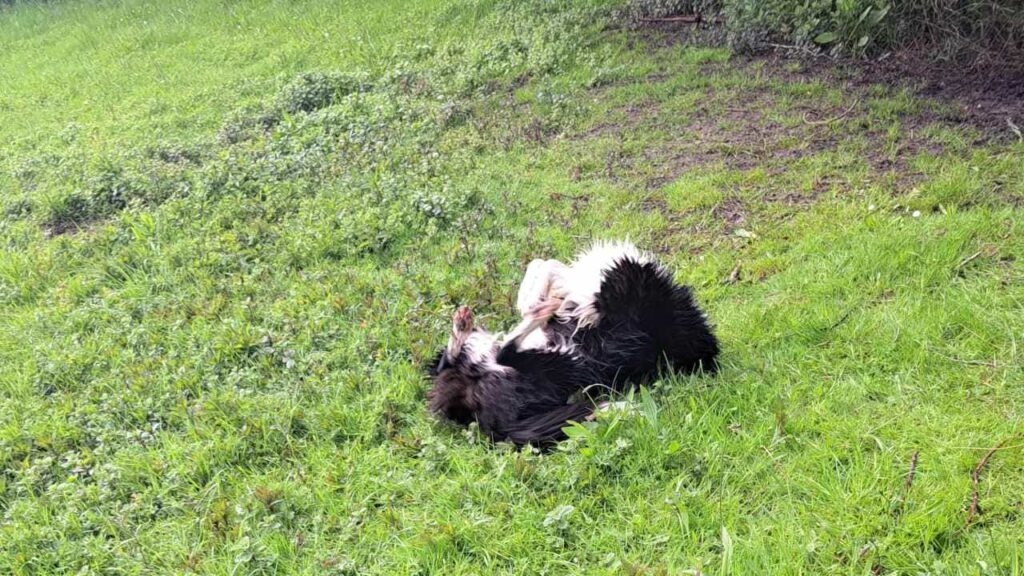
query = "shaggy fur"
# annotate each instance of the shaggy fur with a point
(613, 318)
(524, 400)
(640, 317)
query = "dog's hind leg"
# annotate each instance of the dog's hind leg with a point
(526, 335)
(540, 283)
(540, 295)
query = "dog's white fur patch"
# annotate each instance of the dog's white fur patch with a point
(535, 340)
(571, 289)
(481, 348)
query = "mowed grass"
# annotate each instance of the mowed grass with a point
(231, 233)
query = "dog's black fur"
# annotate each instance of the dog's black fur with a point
(525, 403)
(644, 318)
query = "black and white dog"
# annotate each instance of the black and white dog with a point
(609, 319)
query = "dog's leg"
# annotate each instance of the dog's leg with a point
(539, 297)
(541, 282)
(535, 317)
(462, 326)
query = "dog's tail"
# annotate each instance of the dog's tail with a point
(546, 428)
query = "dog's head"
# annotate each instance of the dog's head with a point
(451, 396)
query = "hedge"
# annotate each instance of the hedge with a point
(948, 29)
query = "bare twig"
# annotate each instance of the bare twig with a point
(734, 276)
(910, 473)
(1015, 129)
(846, 316)
(804, 49)
(977, 472)
(968, 259)
(833, 119)
(908, 481)
(967, 361)
(695, 19)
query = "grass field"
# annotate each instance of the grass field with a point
(230, 233)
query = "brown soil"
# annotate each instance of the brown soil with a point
(746, 128)
(989, 97)
(987, 94)
(736, 130)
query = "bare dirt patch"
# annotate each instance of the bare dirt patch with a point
(986, 98)
(759, 126)
(730, 211)
(986, 95)
(799, 129)
(735, 129)
(989, 98)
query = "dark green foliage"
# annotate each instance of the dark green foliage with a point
(993, 28)
(949, 28)
(852, 26)
(314, 90)
(641, 9)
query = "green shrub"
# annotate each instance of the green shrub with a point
(851, 26)
(640, 9)
(314, 90)
(957, 28)
(947, 28)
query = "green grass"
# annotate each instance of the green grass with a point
(231, 233)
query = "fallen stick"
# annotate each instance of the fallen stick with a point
(974, 478)
(967, 361)
(688, 19)
(804, 49)
(908, 481)
(831, 120)
(968, 260)
(734, 276)
(910, 473)
(1015, 129)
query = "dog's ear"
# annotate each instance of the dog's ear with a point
(436, 363)
(451, 397)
